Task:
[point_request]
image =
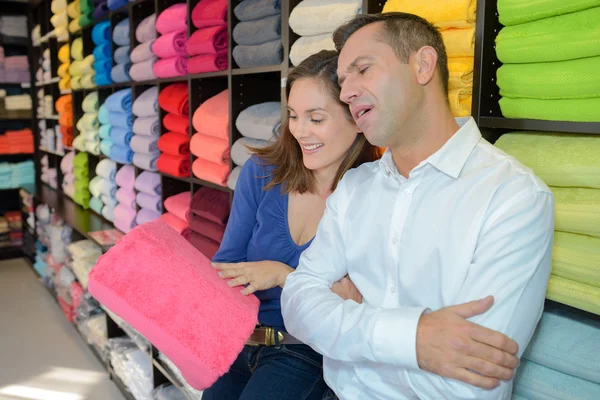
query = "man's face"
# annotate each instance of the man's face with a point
(382, 93)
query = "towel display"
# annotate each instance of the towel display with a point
(259, 31)
(209, 13)
(143, 144)
(210, 148)
(80, 170)
(207, 63)
(148, 126)
(179, 204)
(577, 210)
(124, 218)
(144, 216)
(248, 10)
(208, 41)
(125, 177)
(233, 177)
(120, 34)
(170, 67)
(121, 136)
(172, 44)
(142, 52)
(126, 197)
(210, 204)
(270, 53)
(455, 13)
(146, 161)
(240, 152)
(175, 144)
(145, 31)
(121, 73)
(121, 154)
(260, 121)
(513, 12)
(174, 222)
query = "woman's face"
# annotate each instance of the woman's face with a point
(320, 124)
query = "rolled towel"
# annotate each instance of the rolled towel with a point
(121, 154)
(121, 33)
(211, 172)
(124, 218)
(90, 103)
(211, 204)
(175, 123)
(109, 201)
(106, 147)
(96, 205)
(175, 166)
(125, 177)
(174, 99)
(63, 54)
(104, 131)
(63, 71)
(108, 212)
(519, 12)
(175, 144)
(149, 201)
(454, 14)
(146, 104)
(206, 246)
(102, 78)
(79, 143)
(121, 137)
(306, 46)
(176, 223)
(89, 121)
(144, 144)
(93, 147)
(120, 73)
(107, 188)
(258, 31)
(211, 40)
(121, 55)
(146, 161)
(571, 110)
(145, 31)
(255, 9)
(58, 6)
(77, 49)
(149, 183)
(170, 67)
(212, 117)
(143, 71)
(121, 120)
(145, 216)
(126, 197)
(206, 228)
(107, 169)
(209, 13)
(233, 178)
(179, 204)
(210, 148)
(94, 186)
(460, 72)
(120, 101)
(142, 52)
(101, 33)
(101, 10)
(240, 152)
(459, 42)
(460, 101)
(172, 44)
(270, 53)
(207, 63)
(259, 121)
(116, 4)
(577, 210)
(172, 18)
(87, 81)
(103, 114)
(576, 257)
(148, 126)
(103, 65)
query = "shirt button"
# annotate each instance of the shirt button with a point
(407, 191)
(395, 240)
(392, 289)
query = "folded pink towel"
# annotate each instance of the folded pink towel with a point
(210, 148)
(126, 197)
(152, 278)
(209, 13)
(211, 40)
(172, 44)
(170, 67)
(143, 71)
(125, 177)
(212, 117)
(175, 222)
(211, 172)
(142, 52)
(179, 204)
(172, 19)
(207, 63)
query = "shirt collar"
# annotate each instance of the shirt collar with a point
(452, 157)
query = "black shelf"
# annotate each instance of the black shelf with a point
(166, 371)
(52, 152)
(539, 125)
(13, 41)
(257, 70)
(16, 115)
(16, 157)
(7, 253)
(210, 184)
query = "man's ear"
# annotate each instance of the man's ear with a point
(426, 62)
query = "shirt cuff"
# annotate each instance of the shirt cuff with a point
(395, 336)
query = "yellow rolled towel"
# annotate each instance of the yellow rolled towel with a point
(74, 9)
(442, 13)
(76, 82)
(574, 294)
(459, 42)
(65, 83)
(576, 257)
(577, 210)
(461, 72)
(61, 33)
(63, 54)
(87, 81)
(59, 19)
(74, 26)
(77, 49)
(460, 101)
(63, 70)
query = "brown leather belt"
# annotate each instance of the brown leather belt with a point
(267, 336)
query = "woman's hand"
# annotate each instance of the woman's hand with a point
(259, 275)
(346, 290)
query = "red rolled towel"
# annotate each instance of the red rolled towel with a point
(211, 40)
(176, 166)
(209, 13)
(207, 63)
(206, 228)
(210, 148)
(175, 144)
(175, 123)
(210, 204)
(175, 222)
(206, 246)
(174, 99)
(212, 117)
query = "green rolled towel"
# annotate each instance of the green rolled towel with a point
(576, 257)
(571, 110)
(561, 160)
(574, 294)
(577, 210)
(86, 19)
(82, 175)
(77, 49)
(90, 103)
(82, 198)
(564, 37)
(86, 6)
(572, 79)
(88, 122)
(80, 160)
(81, 185)
(514, 12)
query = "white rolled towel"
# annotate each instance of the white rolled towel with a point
(306, 46)
(315, 17)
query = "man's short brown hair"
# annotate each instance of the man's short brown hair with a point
(405, 33)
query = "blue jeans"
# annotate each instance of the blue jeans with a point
(290, 372)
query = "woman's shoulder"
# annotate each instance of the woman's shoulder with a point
(256, 173)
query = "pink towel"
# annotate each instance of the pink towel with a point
(125, 177)
(210, 13)
(210, 148)
(172, 44)
(179, 204)
(176, 223)
(210, 204)
(206, 228)
(152, 278)
(170, 67)
(142, 52)
(143, 71)
(126, 197)
(207, 63)
(124, 218)
(172, 19)
(205, 245)
(211, 172)
(211, 40)
(212, 117)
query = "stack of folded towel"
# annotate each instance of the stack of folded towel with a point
(125, 211)
(63, 69)
(74, 11)
(87, 10)
(207, 46)
(258, 125)
(60, 20)
(45, 105)
(174, 144)
(551, 56)
(16, 142)
(43, 73)
(258, 35)
(142, 57)
(456, 21)
(170, 46)
(18, 102)
(207, 218)
(211, 142)
(314, 21)
(15, 175)
(14, 67)
(84, 255)
(561, 361)
(119, 106)
(48, 139)
(103, 188)
(104, 130)
(68, 181)
(13, 25)
(88, 125)
(120, 72)
(148, 197)
(569, 165)
(48, 175)
(64, 108)
(146, 130)
(82, 181)
(177, 207)
(102, 53)
(101, 9)
(82, 68)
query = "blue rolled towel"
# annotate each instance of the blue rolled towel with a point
(121, 33)
(121, 120)
(103, 66)
(146, 104)
(101, 33)
(102, 78)
(96, 204)
(103, 114)
(108, 200)
(101, 53)
(146, 161)
(104, 131)
(254, 9)
(258, 31)
(116, 4)
(147, 126)
(121, 55)
(120, 101)
(120, 73)
(260, 121)
(121, 154)
(270, 53)
(121, 137)
(106, 146)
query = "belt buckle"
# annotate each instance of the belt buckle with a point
(270, 339)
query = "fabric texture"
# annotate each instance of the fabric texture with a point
(270, 53)
(205, 63)
(453, 13)
(174, 99)
(259, 121)
(145, 31)
(258, 31)
(175, 123)
(572, 110)
(142, 52)
(175, 144)
(170, 67)
(149, 183)
(515, 12)
(316, 17)
(255, 9)
(143, 71)
(210, 40)
(208, 13)
(577, 210)
(146, 104)
(147, 126)
(210, 148)
(574, 294)
(172, 44)
(144, 216)
(306, 46)
(146, 161)
(577, 258)
(120, 33)
(179, 204)
(174, 165)
(211, 172)
(240, 152)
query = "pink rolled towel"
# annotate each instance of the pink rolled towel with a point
(152, 278)
(175, 222)
(207, 63)
(125, 177)
(124, 218)
(211, 172)
(211, 40)
(170, 67)
(210, 148)
(172, 44)
(172, 19)
(142, 52)
(209, 13)
(179, 204)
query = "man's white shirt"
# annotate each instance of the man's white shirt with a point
(469, 221)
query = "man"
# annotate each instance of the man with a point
(443, 220)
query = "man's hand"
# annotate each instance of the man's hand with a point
(450, 346)
(346, 290)
(259, 275)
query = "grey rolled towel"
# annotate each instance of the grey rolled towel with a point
(260, 121)
(270, 53)
(240, 152)
(258, 31)
(233, 177)
(248, 10)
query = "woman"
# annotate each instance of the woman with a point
(278, 203)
